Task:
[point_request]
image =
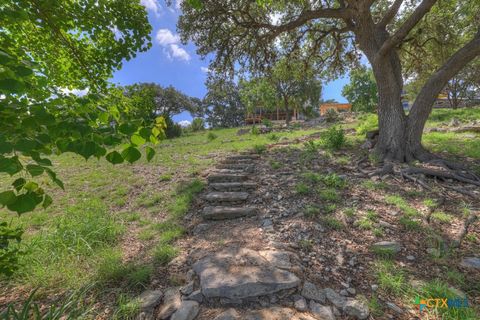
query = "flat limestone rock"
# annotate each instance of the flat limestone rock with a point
(238, 273)
(276, 313)
(237, 166)
(171, 302)
(226, 196)
(471, 262)
(227, 177)
(223, 213)
(232, 186)
(188, 310)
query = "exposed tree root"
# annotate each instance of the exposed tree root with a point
(440, 174)
(464, 230)
(416, 180)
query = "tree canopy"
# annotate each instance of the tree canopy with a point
(361, 92)
(330, 35)
(50, 50)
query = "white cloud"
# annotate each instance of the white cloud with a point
(170, 42)
(178, 4)
(184, 123)
(166, 37)
(179, 53)
(152, 5)
(204, 69)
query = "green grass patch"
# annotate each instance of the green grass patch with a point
(372, 185)
(127, 308)
(302, 188)
(329, 194)
(401, 204)
(164, 253)
(391, 278)
(333, 223)
(311, 211)
(410, 224)
(441, 217)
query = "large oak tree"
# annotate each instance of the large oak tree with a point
(247, 33)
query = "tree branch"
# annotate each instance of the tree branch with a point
(390, 14)
(439, 79)
(305, 16)
(406, 27)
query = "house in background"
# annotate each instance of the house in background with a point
(273, 115)
(339, 107)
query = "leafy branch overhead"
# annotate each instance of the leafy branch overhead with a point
(55, 61)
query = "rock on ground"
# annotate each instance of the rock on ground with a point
(471, 262)
(310, 291)
(171, 302)
(356, 309)
(321, 312)
(188, 310)
(230, 314)
(237, 273)
(392, 246)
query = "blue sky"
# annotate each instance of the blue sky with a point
(169, 62)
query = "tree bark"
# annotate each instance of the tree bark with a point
(287, 110)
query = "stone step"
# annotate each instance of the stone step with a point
(224, 213)
(239, 273)
(237, 161)
(226, 196)
(248, 156)
(237, 166)
(233, 186)
(225, 177)
(229, 171)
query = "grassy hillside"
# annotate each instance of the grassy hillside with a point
(114, 228)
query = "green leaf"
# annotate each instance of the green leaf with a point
(6, 147)
(31, 186)
(7, 197)
(11, 86)
(196, 4)
(23, 71)
(25, 203)
(35, 170)
(10, 165)
(59, 183)
(137, 140)
(131, 154)
(25, 145)
(150, 153)
(19, 184)
(87, 149)
(127, 129)
(47, 201)
(114, 157)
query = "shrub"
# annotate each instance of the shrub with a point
(173, 130)
(259, 148)
(334, 138)
(331, 115)
(197, 125)
(368, 123)
(255, 130)
(311, 146)
(267, 123)
(211, 136)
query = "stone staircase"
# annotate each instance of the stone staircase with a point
(239, 281)
(230, 187)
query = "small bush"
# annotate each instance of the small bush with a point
(255, 131)
(173, 129)
(334, 138)
(267, 123)
(259, 148)
(198, 124)
(211, 136)
(331, 115)
(311, 146)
